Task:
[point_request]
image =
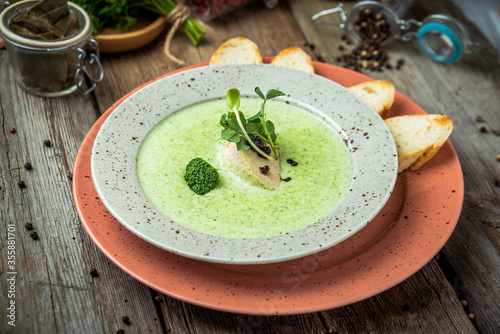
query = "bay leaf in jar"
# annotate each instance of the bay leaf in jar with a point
(52, 10)
(37, 26)
(49, 72)
(47, 20)
(72, 61)
(68, 25)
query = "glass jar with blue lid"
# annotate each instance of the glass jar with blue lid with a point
(441, 37)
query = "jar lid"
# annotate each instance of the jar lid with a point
(83, 32)
(443, 38)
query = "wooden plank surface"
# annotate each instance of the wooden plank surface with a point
(55, 292)
(463, 91)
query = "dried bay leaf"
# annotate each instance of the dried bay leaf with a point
(56, 14)
(72, 61)
(53, 10)
(47, 16)
(23, 32)
(68, 25)
(19, 30)
(41, 37)
(44, 71)
(47, 20)
(38, 25)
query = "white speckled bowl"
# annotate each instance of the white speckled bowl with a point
(372, 149)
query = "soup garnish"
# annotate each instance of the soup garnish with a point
(242, 131)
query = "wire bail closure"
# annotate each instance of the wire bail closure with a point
(83, 72)
(338, 9)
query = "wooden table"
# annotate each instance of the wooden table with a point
(457, 291)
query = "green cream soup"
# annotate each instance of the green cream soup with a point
(237, 208)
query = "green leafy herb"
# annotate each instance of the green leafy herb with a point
(122, 15)
(238, 129)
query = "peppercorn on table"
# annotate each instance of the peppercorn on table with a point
(59, 275)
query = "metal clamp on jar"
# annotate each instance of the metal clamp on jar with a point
(52, 67)
(441, 37)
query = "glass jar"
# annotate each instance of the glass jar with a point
(444, 38)
(441, 37)
(52, 67)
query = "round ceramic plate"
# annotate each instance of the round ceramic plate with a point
(413, 226)
(372, 151)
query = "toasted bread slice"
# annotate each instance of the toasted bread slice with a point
(238, 50)
(247, 166)
(294, 57)
(378, 94)
(418, 138)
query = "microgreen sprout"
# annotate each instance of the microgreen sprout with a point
(238, 129)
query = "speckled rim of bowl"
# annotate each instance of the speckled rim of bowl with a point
(373, 153)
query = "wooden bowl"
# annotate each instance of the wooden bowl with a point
(142, 33)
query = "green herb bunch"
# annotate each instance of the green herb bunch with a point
(238, 129)
(122, 14)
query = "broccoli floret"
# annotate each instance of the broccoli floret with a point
(201, 177)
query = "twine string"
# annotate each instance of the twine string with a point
(176, 18)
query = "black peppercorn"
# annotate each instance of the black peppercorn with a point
(126, 320)
(21, 184)
(28, 226)
(28, 166)
(47, 143)
(34, 235)
(264, 169)
(94, 272)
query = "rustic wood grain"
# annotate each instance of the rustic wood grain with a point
(473, 250)
(463, 91)
(423, 303)
(124, 72)
(57, 294)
